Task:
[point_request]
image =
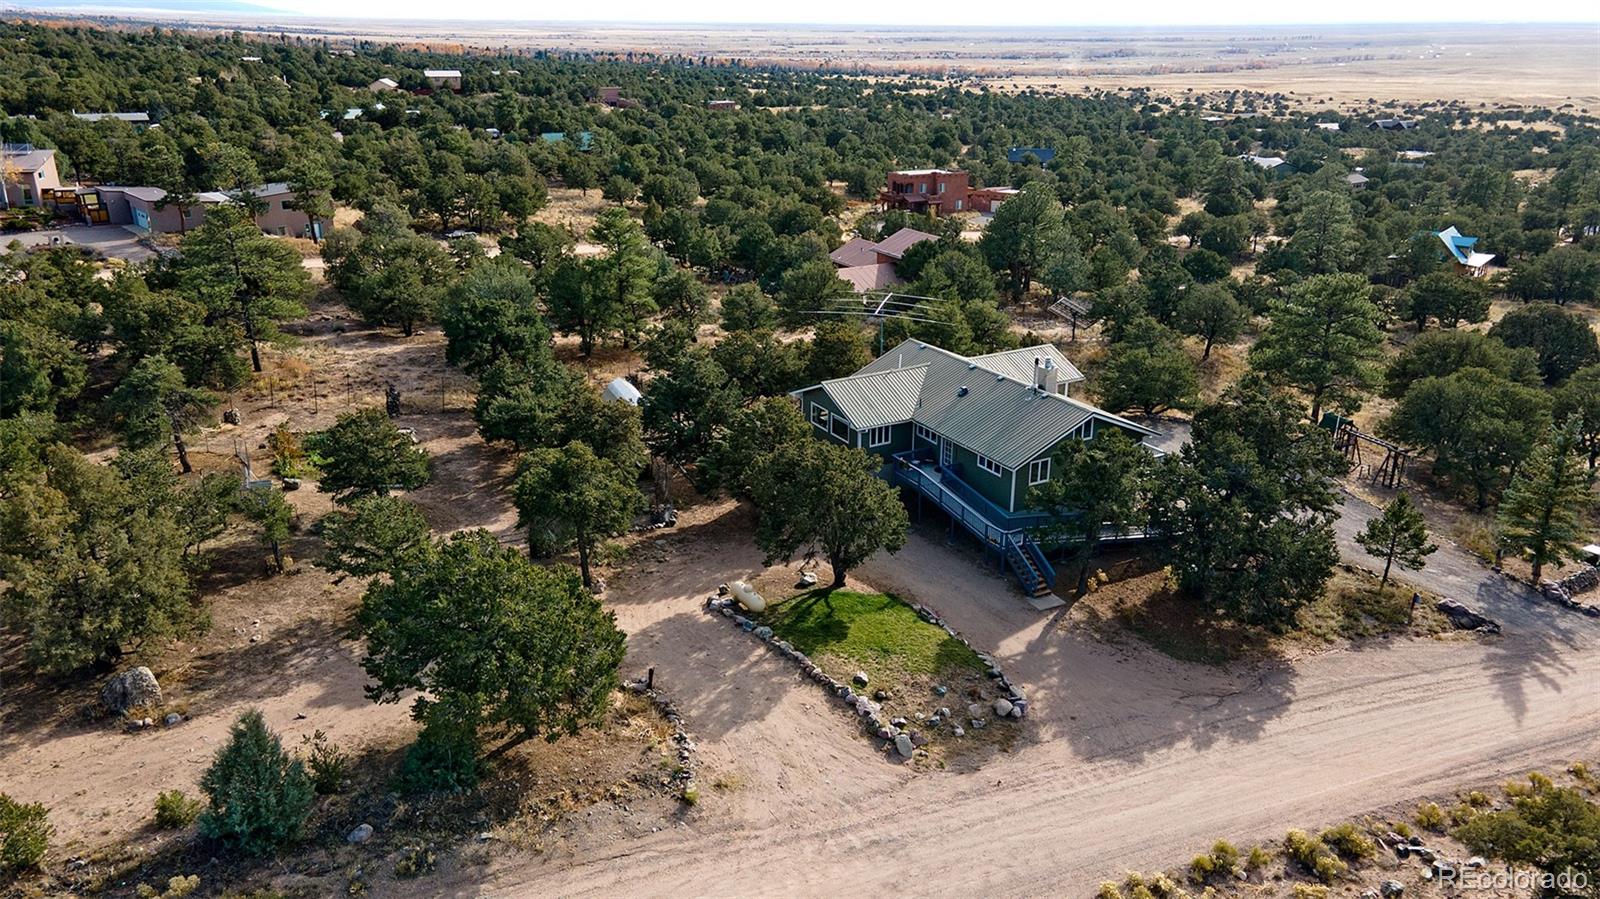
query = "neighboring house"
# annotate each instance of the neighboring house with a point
(1327, 126)
(443, 79)
(1043, 154)
(1275, 166)
(383, 84)
(26, 173)
(938, 191)
(1357, 181)
(144, 209)
(611, 95)
(722, 105)
(1460, 249)
(139, 120)
(988, 199)
(869, 265)
(1392, 125)
(971, 434)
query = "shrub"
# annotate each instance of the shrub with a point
(1163, 886)
(1225, 854)
(444, 758)
(1348, 840)
(1313, 855)
(1555, 829)
(1259, 858)
(415, 862)
(1310, 891)
(1202, 868)
(1108, 890)
(174, 810)
(1429, 816)
(288, 457)
(260, 795)
(178, 886)
(329, 767)
(24, 834)
(1478, 799)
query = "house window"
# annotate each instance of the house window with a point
(941, 187)
(927, 434)
(841, 430)
(989, 465)
(879, 436)
(1038, 471)
(819, 416)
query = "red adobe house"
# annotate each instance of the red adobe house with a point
(926, 190)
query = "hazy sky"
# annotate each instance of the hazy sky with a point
(942, 12)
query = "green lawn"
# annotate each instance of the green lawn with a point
(872, 632)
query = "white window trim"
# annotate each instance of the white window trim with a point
(835, 424)
(926, 433)
(880, 436)
(989, 465)
(1033, 467)
(819, 416)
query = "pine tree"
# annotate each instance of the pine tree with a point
(1398, 534)
(1542, 513)
(260, 795)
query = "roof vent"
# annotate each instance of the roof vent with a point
(962, 390)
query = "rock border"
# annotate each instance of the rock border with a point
(896, 732)
(683, 777)
(1565, 591)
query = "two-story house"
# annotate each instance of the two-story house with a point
(971, 434)
(939, 191)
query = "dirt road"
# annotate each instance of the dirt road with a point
(1133, 761)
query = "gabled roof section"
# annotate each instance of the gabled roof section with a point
(878, 398)
(873, 276)
(895, 245)
(1459, 245)
(855, 251)
(979, 408)
(1018, 364)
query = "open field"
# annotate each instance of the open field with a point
(1316, 65)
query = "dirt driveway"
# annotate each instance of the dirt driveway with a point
(1134, 760)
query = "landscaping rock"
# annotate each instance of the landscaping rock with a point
(1002, 708)
(904, 746)
(1391, 888)
(885, 733)
(940, 689)
(173, 719)
(919, 740)
(898, 721)
(131, 689)
(975, 710)
(764, 632)
(880, 695)
(977, 723)
(360, 834)
(808, 578)
(859, 679)
(958, 731)
(1463, 618)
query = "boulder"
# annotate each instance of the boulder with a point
(919, 739)
(291, 484)
(1463, 618)
(975, 710)
(1002, 708)
(808, 579)
(764, 632)
(940, 689)
(958, 730)
(859, 679)
(173, 719)
(131, 689)
(1391, 888)
(360, 834)
(904, 746)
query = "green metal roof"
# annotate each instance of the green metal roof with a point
(966, 401)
